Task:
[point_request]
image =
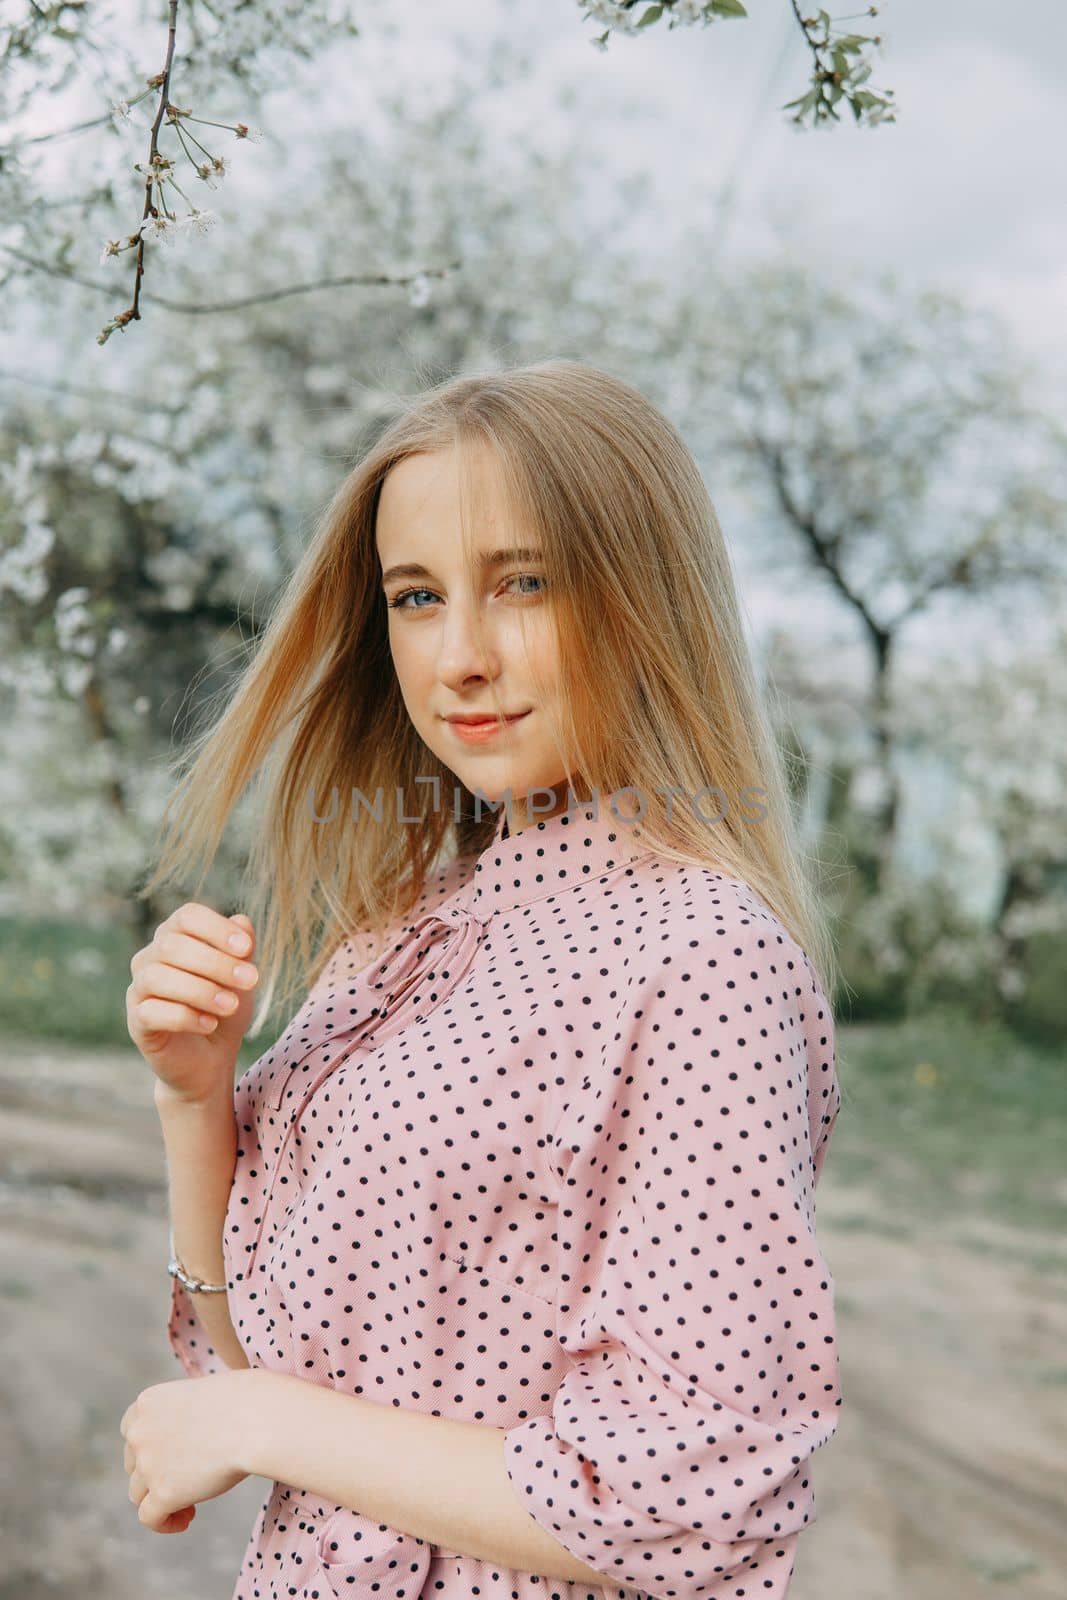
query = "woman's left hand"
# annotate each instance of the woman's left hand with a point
(183, 1440)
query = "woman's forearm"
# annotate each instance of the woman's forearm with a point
(200, 1139)
(435, 1478)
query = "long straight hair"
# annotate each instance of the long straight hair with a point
(657, 687)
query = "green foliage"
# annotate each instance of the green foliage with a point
(841, 64)
(1037, 1013)
(907, 947)
(841, 67)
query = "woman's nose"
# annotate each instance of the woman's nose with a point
(466, 649)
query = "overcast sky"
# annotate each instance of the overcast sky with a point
(966, 190)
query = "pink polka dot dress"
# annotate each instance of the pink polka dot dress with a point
(548, 1163)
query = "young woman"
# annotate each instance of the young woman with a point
(511, 1283)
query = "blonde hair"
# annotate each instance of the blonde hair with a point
(657, 685)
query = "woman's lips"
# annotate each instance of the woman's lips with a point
(480, 732)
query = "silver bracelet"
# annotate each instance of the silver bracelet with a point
(194, 1285)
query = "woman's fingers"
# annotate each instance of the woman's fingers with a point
(171, 948)
(160, 981)
(153, 1015)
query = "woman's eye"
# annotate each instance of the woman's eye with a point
(397, 602)
(529, 577)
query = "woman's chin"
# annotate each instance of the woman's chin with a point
(497, 779)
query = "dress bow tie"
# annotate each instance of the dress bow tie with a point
(421, 970)
(411, 980)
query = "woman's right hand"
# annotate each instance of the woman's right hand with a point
(190, 1002)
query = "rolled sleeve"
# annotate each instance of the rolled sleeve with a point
(188, 1337)
(694, 1300)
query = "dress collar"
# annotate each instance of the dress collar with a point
(575, 846)
(427, 960)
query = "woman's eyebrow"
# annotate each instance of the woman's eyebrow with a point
(485, 560)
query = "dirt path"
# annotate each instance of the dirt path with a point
(947, 1477)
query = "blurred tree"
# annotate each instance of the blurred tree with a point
(899, 443)
(145, 524)
(145, 528)
(1001, 720)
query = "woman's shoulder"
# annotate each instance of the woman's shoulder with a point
(711, 894)
(706, 909)
(714, 949)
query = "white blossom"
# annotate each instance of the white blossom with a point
(85, 446)
(123, 116)
(74, 622)
(31, 678)
(159, 229)
(75, 675)
(198, 222)
(20, 567)
(210, 172)
(178, 572)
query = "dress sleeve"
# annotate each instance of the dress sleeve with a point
(694, 1301)
(188, 1337)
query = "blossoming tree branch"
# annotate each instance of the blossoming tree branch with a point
(841, 58)
(227, 43)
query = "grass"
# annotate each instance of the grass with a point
(944, 1114)
(955, 1117)
(61, 981)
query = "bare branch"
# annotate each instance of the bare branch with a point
(56, 133)
(194, 308)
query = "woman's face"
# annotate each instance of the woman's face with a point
(433, 613)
